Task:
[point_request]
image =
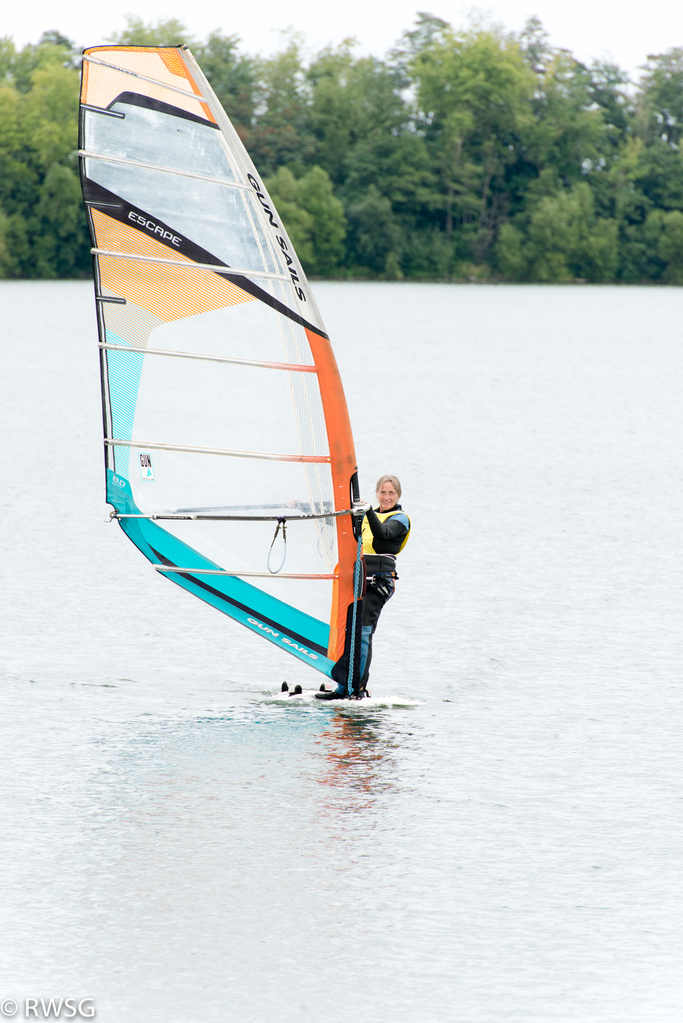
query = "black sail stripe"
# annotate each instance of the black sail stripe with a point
(134, 99)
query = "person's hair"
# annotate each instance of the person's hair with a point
(389, 479)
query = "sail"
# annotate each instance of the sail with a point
(224, 414)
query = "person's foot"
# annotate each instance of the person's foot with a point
(330, 696)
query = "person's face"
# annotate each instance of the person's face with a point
(386, 496)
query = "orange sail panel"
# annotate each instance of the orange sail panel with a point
(224, 413)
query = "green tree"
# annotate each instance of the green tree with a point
(19, 262)
(284, 190)
(281, 134)
(8, 56)
(568, 131)
(607, 86)
(44, 225)
(564, 239)
(659, 174)
(233, 79)
(375, 236)
(329, 222)
(661, 96)
(474, 91)
(663, 236)
(50, 114)
(512, 259)
(52, 50)
(18, 181)
(670, 246)
(400, 168)
(313, 216)
(429, 32)
(61, 245)
(5, 254)
(352, 102)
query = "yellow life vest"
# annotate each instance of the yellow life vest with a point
(367, 532)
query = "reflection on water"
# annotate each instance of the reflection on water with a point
(356, 751)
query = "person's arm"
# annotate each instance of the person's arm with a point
(393, 529)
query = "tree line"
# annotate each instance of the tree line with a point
(469, 153)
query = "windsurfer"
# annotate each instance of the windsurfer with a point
(386, 529)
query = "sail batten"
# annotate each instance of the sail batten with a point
(290, 367)
(102, 110)
(192, 449)
(197, 517)
(88, 155)
(227, 271)
(239, 574)
(199, 290)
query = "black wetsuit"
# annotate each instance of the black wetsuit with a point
(388, 538)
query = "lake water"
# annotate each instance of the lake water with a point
(181, 851)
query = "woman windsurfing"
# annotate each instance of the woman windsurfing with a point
(385, 532)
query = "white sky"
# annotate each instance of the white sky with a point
(624, 30)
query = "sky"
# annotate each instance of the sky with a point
(625, 31)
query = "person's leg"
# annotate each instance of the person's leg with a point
(365, 653)
(340, 671)
(373, 602)
(372, 605)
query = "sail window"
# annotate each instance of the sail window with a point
(160, 139)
